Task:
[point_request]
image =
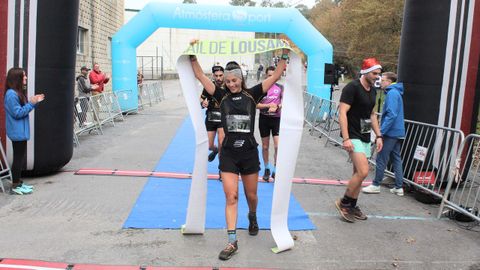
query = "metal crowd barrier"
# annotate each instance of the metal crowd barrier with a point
(125, 95)
(104, 109)
(85, 118)
(150, 93)
(429, 154)
(322, 116)
(91, 113)
(5, 172)
(463, 190)
(111, 100)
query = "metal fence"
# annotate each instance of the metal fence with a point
(429, 153)
(463, 190)
(150, 93)
(428, 156)
(106, 108)
(85, 118)
(92, 113)
(322, 116)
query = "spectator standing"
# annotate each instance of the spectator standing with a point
(139, 77)
(17, 108)
(259, 72)
(99, 78)
(357, 118)
(393, 130)
(84, 89)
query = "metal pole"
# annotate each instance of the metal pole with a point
(143, 71)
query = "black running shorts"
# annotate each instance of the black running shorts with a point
(239, 162)
(212, 126)
(268, 125)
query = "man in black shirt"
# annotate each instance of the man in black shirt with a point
(357, 119)
(213, 121)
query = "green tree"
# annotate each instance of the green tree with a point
(242, 3)
(280, 5)
(304, 10)
(361, 28)
(266, 3)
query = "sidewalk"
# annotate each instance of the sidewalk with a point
(78, 219)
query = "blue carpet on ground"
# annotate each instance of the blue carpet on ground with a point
(180, 153)
(163, 202)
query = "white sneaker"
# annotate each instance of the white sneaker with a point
(371, 189)
(397, 191)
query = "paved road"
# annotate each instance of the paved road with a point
(78, 219)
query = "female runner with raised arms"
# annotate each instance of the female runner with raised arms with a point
(239, 149)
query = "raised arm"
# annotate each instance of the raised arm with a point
(204, 80)
(267, 83)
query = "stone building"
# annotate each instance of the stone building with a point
(98, 21)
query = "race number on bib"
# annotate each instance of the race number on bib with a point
(365, 126)
(238, 123)
(214, 116)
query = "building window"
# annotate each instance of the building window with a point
(81, 40)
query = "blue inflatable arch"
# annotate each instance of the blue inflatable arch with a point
(213, 17)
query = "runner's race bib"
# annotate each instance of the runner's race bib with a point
(365, 126)
(238, 123)
(214, 116)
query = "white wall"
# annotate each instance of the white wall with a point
(171, 42)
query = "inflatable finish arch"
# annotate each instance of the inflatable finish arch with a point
(250, 19)
(288, 21)
(27, 31)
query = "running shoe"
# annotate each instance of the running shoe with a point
(228, 251)
(252, 225)
(25, 190)
(16, 191)
(397, 191)
(371, 189)
(346, 212)
(266, 175)
(26, 186)
(358, 214)
(273, 175)
(212, 155)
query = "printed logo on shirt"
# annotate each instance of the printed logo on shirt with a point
(236, 98)
(238, 143)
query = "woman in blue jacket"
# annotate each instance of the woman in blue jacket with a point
(17, 108)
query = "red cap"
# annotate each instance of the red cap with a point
(370, 64)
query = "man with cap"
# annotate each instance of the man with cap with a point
(213, 121)
(357, 119)
(84, 89)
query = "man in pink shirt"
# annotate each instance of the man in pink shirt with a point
(269, 123)
(99, 78)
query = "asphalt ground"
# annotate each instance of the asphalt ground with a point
(78, 219)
